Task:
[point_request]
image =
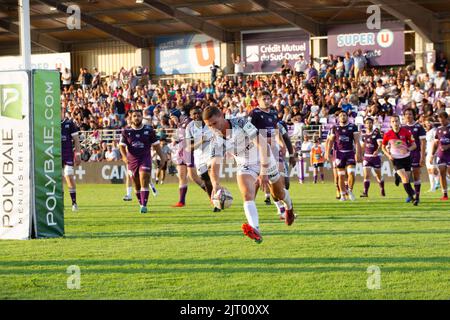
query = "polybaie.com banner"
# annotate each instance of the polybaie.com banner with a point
(15, 155)
(48, 194)
(31, 202)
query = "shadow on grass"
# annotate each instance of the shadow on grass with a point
(221, 233)
(259, 265)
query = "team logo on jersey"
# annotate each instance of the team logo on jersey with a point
(138, 136)
(373, 137)
(146, 133)
(66, 126)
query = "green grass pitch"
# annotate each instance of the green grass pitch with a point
(192, 253)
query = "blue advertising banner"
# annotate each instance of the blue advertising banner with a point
(265, 51)
(186, 54)
(382, 47)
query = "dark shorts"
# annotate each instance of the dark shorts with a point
(67, 160)
(415, 159)
(443, 159)
(372, 162)
(158, 162)
(404, 163)
(318, 165)
(141, 165)
(344, 159)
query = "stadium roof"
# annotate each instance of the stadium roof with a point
(137, 22)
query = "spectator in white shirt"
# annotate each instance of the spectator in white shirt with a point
(300, 66)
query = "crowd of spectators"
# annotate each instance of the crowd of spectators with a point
(303, 95)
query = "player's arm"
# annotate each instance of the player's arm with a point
(77, 145)
(357, 137)
(157, 147)
(423, 146)
(289, 147)
(384, 148)
(123, 149)
(379, 143)
(330, 140)
(412, 145)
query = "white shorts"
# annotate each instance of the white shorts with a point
(201, 162)
(68, 171)
(254, 170)
(432, 165)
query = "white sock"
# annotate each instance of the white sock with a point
(267, 195)
(280, 206)
(129, 191)
(252, 214)
(287, 200)
(431, 176)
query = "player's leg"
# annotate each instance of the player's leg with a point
(129, 188)
(380, 181)
(443, 171)
(315, 172)
(341, 180)
(280, 193)
(182, 185)
(322, 174)
(280, 204)
(404, 177)
(144, 181)
(246, 184)
(351, 172)
(416, 174)
(366, 174)
(69, 175)
(336, 182)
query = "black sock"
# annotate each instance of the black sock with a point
(409, 190)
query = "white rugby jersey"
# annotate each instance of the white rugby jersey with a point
(238, 142)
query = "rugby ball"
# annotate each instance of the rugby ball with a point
(222, 199)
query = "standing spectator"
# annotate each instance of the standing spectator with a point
(359, 63)
(119, 108)
(300, 66)
(340, 68)
(441, 64)
(239, 66)
(86, 81)
(348, 65)
(214, 68)
(286, 68)
(66, 78)
(96, 79)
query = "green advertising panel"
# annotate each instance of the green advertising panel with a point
(49, 207)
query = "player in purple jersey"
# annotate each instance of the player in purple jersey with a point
(418, 155)
(185, 159)
(135, 146)
(371, 146)
(290, 149)
(70, 140)
(441, 149)
(344, 136)
(266, 121)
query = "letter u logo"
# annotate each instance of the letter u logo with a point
(199, 53)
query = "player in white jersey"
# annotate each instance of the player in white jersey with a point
(198, 138)
(255, 164)
(433, 172)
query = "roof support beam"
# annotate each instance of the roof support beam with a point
(195, 22)
(41, 40)
(294, 18)
(415, 16)
(115, 32)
